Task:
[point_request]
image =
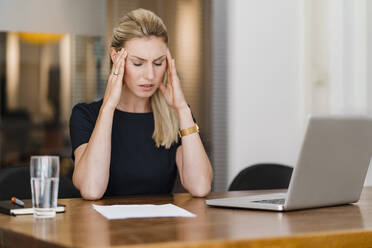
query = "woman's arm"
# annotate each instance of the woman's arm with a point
(92, 160)
(192, 161)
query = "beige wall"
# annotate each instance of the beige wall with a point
(84, 17)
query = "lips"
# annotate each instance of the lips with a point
(147, 86)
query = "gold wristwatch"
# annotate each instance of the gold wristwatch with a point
(187, 131)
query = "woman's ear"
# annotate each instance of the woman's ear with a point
(112, 54)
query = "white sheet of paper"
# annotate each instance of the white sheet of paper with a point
(112, 212)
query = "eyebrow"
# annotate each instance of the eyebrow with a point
(145, 59)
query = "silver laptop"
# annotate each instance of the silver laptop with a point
(330, 170)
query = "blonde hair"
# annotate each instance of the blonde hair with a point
(141, 23)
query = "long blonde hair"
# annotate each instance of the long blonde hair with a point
(141, 23)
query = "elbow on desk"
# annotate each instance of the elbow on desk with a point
(87, 192)
(200, 189)
(200, 192)
(90, 195)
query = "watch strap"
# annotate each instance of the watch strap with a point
(190, 130)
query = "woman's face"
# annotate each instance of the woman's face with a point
(145, 65)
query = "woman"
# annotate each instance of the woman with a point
(128, 142)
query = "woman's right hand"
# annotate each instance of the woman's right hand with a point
(115, 81)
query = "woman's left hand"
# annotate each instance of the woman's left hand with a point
(172, 91)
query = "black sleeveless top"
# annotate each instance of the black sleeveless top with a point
(137, 165)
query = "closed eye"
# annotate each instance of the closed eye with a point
(159, 62)
(137, 64)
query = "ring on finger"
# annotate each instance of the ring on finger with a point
(115, 74)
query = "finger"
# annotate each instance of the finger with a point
(117, 62)
(169, 77)
(120, 52)
(162, 88)
(114, 59)
(119, 73)
(174, 72)
(166, 90)
(114, 68)
(114, 76)
(122, 66)
(169, 60)
(169, 74)
(170, 86)
(119, 59)
(125, 57)
(173, 68)
(169, 56)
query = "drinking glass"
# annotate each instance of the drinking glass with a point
(44, 171)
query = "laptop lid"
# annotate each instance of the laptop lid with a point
(333, 162)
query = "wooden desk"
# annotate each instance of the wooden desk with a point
(82, 226)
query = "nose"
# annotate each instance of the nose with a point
(150, 74)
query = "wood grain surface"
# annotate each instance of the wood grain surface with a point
(81, 226)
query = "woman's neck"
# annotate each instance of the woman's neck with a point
(133, 104)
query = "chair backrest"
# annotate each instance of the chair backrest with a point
(262, 176)
(15, 181)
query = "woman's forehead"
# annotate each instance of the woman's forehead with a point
(148, 48)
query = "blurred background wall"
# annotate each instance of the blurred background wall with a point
(252, 71)
(263, 83)
(40, 73)
(286, 60)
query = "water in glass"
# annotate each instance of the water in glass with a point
(44, 185)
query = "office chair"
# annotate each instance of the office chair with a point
(262, 176)
(15, 181)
